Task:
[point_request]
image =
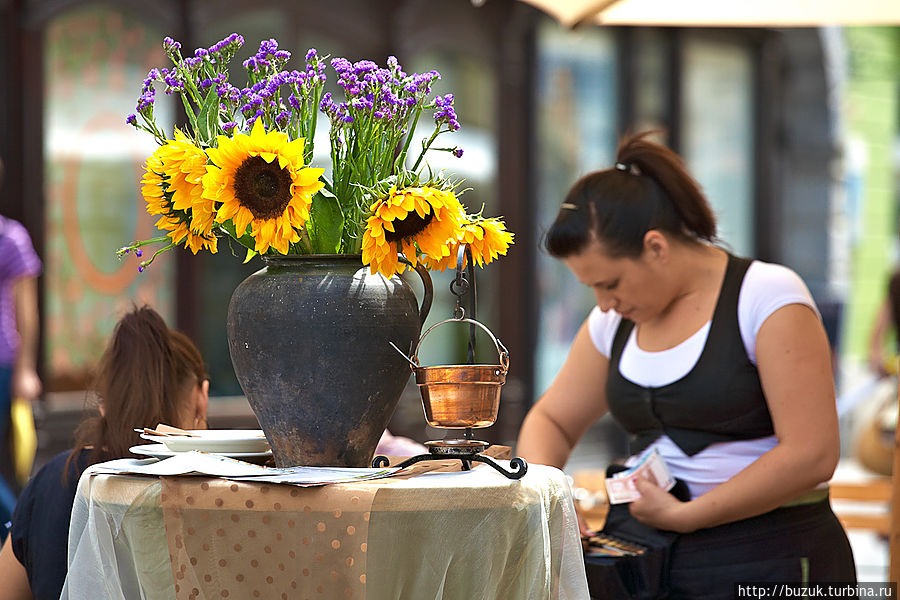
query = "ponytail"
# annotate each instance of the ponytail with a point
(649, 188)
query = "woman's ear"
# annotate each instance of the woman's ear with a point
(656, 246)
(201, 403)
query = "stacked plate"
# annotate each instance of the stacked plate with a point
(244, 444)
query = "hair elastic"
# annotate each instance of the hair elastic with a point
(622, 167)
(568, 205)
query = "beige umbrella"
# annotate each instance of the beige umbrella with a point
(723, 13)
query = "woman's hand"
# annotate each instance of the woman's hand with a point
(658, 508)
(583, 528)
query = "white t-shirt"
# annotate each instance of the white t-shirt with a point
(766, 288)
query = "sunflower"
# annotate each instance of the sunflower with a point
(423, 218)
(259, 181)
(171, 186)
(486, 238)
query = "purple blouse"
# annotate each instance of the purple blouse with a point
(17, 259)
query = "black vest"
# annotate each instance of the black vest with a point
(720, 399)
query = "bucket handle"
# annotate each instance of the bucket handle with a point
(501, 349)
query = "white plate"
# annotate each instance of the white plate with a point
(215, 440)
(160, 451)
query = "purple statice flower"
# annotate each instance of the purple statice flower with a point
(152, 76)
(145, 100)
(282, 55)
(193, 62)
(311, 54)
(360, 104)
(282, 118)
(294, 102)
(131, 119)
(138, 252)
(205, 84)
(252, 64)
(217, 47)
(364, 66)
(326, 104)
(445, 113)
(201, 52)
(229, 126)
(169, 43)
(267, 47)
(140, 268)
(341, 65)
(173, 83)
(457, 152)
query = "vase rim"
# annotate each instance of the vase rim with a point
(295, 257)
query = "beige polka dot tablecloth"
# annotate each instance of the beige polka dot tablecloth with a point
(247, 540)
(434, 532)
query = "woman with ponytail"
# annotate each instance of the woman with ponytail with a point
(148, 374)
(718, 363)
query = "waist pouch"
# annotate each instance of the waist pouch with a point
(627, 559)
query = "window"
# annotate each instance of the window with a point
(93, 57)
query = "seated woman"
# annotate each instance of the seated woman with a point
(149, 374)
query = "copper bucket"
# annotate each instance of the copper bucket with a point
(461, 396)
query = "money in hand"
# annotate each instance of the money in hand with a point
(620, 487)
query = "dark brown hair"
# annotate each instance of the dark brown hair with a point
(649, 188)
(141, 380)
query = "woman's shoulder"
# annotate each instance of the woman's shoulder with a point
(766, 288)
(773, 281)
(602, 326)
(50, 475)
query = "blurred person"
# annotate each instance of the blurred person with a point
(874, 444)
(19, 313)
(148, 374)
(719, 363)
(885, 327)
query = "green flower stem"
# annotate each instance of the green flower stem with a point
(147, 262)
(426, 146)
(135, 245)
(401, 159)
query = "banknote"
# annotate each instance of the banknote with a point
(652, 467)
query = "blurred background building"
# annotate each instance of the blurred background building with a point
(793, 133)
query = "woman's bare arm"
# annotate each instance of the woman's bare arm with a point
(572, 403)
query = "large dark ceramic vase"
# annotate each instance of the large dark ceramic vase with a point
(310, 340)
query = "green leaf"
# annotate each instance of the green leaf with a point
(209, 116)
(325, 223)
(250, 254)
(245, 240)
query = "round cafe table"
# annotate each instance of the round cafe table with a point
(421, 535)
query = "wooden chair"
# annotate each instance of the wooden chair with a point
(864, 504)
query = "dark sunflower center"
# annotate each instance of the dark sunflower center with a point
(409, 227)
(264, 188)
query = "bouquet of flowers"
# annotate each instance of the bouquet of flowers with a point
(242, 167)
